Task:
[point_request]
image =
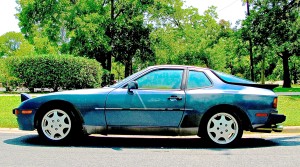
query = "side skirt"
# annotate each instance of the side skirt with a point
(135, 130)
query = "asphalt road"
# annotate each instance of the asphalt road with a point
(256, 150)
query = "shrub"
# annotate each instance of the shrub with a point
(56, 71)
(7, 80)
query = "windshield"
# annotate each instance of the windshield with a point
(122, 82)
(231, 78)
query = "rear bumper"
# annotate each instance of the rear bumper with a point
(272, 124)
(276, 118)
(25, 121)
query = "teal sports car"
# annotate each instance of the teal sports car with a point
(159, 100)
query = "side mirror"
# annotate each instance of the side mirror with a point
(132, 85)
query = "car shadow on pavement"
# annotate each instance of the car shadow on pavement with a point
(117, 142)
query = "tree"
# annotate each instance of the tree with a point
(185, 37)
(275, 25)
(14, 44)
(89, 28)
(130, 34)
(250, 43)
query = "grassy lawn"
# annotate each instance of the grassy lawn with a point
(295, 88)
(288, 105)
(7, 103)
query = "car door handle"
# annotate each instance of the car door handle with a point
(174, 98)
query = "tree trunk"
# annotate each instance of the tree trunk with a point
(263, 71)
(250, 48)
(128, 67)
(286, 71)
(108, 61)
(101, 60)
(111, 33)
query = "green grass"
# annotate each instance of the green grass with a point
(7, 103)
(294, 88)
(287, 105)
(290, 106)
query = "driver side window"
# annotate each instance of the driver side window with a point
(161, 79)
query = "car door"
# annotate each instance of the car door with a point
(158, 101)
(199, 95)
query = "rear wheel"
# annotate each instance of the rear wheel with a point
(57, 125)
(222, 128)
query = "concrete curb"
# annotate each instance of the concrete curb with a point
(15, 130)
(291, 129)
(287, 93)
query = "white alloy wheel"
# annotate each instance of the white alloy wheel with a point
(56, 124)
(222, 128)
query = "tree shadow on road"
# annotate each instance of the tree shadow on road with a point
(148, 142)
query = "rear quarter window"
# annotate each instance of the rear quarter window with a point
(197, 80)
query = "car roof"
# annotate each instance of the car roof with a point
(177, 66)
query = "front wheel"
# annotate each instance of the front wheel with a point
(222, 128)
(56, 125)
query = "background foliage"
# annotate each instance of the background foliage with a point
(274, 28)
(14, 44)
(124, 36)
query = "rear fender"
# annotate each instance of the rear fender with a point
(228, 108)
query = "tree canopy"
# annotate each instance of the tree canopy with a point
(133, 34)
(274, 27)
(89, 28)
(13, 43)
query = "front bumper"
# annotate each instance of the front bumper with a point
(272, 124)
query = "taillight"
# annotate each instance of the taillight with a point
(275, 101)
(16, 111)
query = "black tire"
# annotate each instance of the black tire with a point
(221, 129)
(58, 125)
